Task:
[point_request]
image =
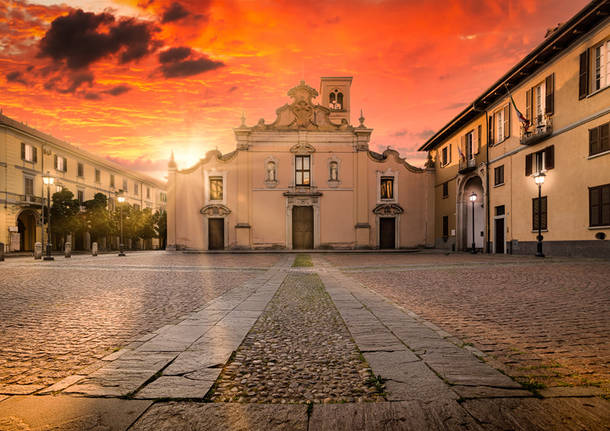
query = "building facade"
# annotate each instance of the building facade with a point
(306, 181)
(27, 154)
(561, 91)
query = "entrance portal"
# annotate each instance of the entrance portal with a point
(26, 224)
(499, 235)
(302, 228)
(216, 234)
(387, 232)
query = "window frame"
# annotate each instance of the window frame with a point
(30, 156)
(216, 179)
(499, 172)
(595, 136)
(80, 170)
(600, 206)
(111, 181)
(28, 179)
(445, 190)
(384, 179)
(98, 176)
(445, 226)
(302, 170)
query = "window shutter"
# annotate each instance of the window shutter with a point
(65, 164)
(490, 131)
(528, 165)
(507, 121)
(594, 141)
(22, 151)
(450, 145)
(477, 143)
(604, 144)
(528, 105)
(55, 160)
(549, 157)
(583, 76)
(35, 154)
(550, 94)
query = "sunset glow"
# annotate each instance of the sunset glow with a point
(132, 80)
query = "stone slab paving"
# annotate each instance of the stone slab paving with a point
(299, 351)
(62, 413)
(184, 360)
(60, 317)
(543, 322)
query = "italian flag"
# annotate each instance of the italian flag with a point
(522, 119)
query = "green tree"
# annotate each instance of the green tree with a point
(64, 214)
(160, 220)
(97, 217)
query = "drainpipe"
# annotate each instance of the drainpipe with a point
(488, 242)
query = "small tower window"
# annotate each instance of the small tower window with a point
(335, 100)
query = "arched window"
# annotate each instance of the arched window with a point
(331, 100)
(340, 100)
(335, 100)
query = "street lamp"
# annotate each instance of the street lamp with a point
(473, 199)
(48, 180)
(121, 199)
(539, 178)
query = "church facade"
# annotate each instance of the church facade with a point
(305, 181)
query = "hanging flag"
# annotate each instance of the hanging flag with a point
(522, 119)
(461, 153)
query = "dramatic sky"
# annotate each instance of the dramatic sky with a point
(133, 79)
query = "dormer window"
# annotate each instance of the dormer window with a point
(335, 100)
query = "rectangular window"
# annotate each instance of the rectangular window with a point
(599, 205)
(499, 210)
(499, 175)
(535, 208)
(540, 161)
(125, 189)
(501, 124)
(598, 68)
(98, 176)
(216, 189)
(147, 192)
(539, 102)
(163, 197)
(80, 196)
(387, 188)
(80, 170)
(112, 180)
(445, 226)
(445, 190)
(446, 155)
(469, 145)
(28, 186)
(135, 189)
(29, 153)
(599, 139)
(61, 163)
(302, 170)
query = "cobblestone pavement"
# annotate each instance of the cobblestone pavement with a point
(545, 323)
(59, 317)
(298, 351)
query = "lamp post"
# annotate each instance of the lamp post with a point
(48, 180)
(121, 199)
(473, 199)
(539, 178)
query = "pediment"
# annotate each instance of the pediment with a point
(388, 209)
(215, 210)
(302, 148)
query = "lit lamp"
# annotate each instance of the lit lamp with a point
(121, 199)
(48, 180)
(539, 178)
(473, 199)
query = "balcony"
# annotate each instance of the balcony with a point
(30, 200)
(540, 130)
(467, 165)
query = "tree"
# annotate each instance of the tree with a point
(64, 214)
(146, 229)
(97, 217)
(160, 220)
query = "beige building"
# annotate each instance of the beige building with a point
(305, 181)
(561, 88)
(26, 154)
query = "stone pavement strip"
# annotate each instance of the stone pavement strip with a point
(279, 337)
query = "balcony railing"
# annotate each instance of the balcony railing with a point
(541, 129)
(30, 199)
(467, 165)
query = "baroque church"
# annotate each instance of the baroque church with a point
(308, 180)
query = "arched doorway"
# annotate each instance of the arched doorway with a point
(26, 225)
(466, 212)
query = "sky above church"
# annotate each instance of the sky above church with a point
(133, 79)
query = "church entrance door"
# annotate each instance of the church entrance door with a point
(302, 228)
(387, 232)
(216, 234)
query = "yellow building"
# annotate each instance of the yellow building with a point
(26, 154)
(561, 88)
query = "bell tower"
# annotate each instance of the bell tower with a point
(335, 95)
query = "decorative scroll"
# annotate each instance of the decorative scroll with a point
(302, 148)
(388, 210)
(215, 210)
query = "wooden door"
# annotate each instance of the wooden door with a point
(216, 234)
(302, 228)
(499, 237)
(387, 232)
